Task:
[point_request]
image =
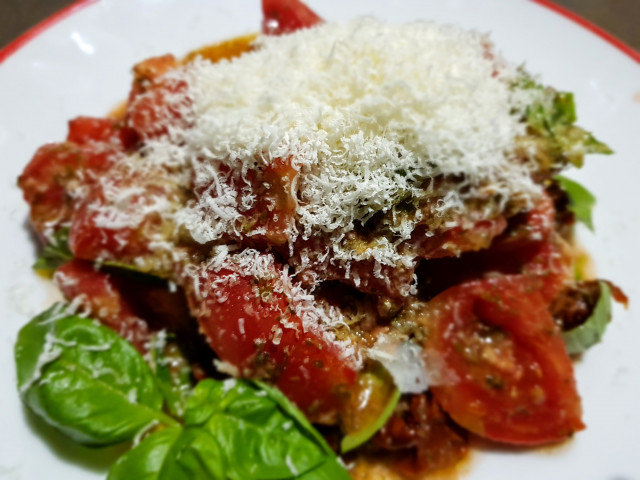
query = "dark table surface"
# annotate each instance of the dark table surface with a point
(619, 17)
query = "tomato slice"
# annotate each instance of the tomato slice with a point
(88, 130)
(510, 378)
(121, 217)
(269, 217)
(44, 181)
(89, 239)
(454, 242)
(83, 130)
(251, 323)
(286, 16)
(157, 102)
(98, 293)
(93, 146)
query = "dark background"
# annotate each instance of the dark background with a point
(619, 17)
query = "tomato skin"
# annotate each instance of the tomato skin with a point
(271, 218)
(454, 242)
(152, 114)
(44, 183)
(150, 70)
(535, 250)
(88, 130)
(93, 146)
(276, 204)
(89, 241)
(98, 293)
(93, 236)
(250, 323)
(517, 387)
(83, 130)
(286, 16)
(157, 103)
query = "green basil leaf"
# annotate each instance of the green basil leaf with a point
(195, 455)
(290, 409)
(173, 373)
(173, 454)
(581, 200)
(84, 379)
(579, 339)
(55, 253)
(146, 460)
(260, 438)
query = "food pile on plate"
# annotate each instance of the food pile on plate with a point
(332, 238)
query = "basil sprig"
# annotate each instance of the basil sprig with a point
(95, 387)
(580, 338)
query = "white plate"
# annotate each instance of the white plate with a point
(81, 66)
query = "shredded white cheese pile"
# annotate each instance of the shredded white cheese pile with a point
(366, 111)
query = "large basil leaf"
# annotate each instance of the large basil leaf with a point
(581, 200)
(173, 454)
(55, 252)
(85, 380)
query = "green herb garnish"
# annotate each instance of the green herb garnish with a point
(581, 200)
(580, 338)
(91, 384)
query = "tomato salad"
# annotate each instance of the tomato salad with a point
(403, 307)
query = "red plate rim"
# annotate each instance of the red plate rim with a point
(76, 6)
(41, 27)
(593, 28)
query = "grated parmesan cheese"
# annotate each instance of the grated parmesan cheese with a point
(366, 112)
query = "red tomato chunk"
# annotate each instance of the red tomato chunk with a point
(98, 293)
(512, 380)
(250, 323)
(286, 16)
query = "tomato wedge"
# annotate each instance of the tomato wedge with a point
(509, 376)
(89, 130)
(286, 16)
(250, 322)
(157, 103)
(98, 293)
